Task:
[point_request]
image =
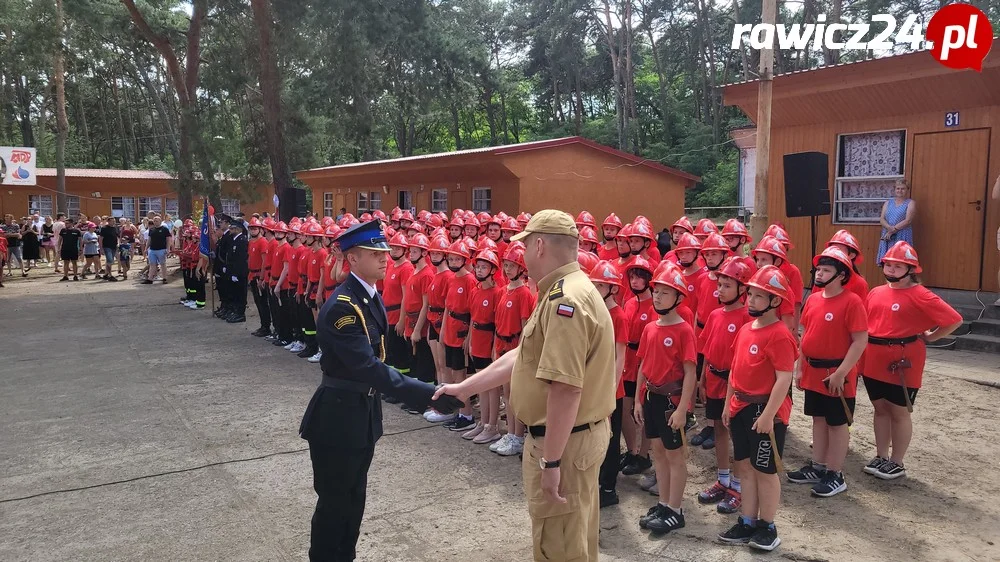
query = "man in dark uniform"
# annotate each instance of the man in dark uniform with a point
(222, 282)
(344, 417)
(236, 271)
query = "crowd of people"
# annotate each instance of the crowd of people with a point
(699, 323)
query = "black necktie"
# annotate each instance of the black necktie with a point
(379, 306)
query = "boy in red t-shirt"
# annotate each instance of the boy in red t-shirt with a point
(290, 288)
(770, 251)
(856, 283)
(437, 253)
(415, 305)
(479, 342)
(639, 311)
(834, 337)
(902, 316)
(513, 309)
(314, 270)
(398, 272)
(608, 281)
(610, 228)
(688, 258)
(758, 407)
(667, 354)
(456, 321)
(279, 271)
(716, 345)
(257, 255)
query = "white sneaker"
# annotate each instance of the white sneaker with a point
(316, 358)
(192, 305)
(297, 347)
(187, 302)
(501, 443)
(157, 279)
(438, 417)
(428, 413)
(648, 481)
(514, 447)
(290, 345)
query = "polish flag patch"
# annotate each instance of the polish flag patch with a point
(565, 310)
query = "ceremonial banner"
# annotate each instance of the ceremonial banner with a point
(17, 165)
(205, 243)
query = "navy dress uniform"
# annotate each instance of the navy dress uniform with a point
(344, 418)
(237, 269)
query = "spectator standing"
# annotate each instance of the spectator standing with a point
(126, 243)
(12, 232)
(109, 247)
(91, 250)
(143, 239)
(57, 227)
(159, 241)
(48, 240)
(37, 221)
(69, 247)
(31, 245)
(897, 219)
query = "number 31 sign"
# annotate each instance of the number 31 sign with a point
(951, 119)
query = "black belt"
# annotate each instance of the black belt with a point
(700, 324)
(539, 430)
(633, 346)
(462, 334)
(413, 315)
(510, 338)
(466, 317)
(892, 341)
(352, 386)
(435, 309)
(392, 307)
(724, 373)
(752, 398)
(824, 363)
(485, 327)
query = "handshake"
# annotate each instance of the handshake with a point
(446, 404)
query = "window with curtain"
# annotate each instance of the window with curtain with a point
(362, 202)
(328, 205)
(40, 203)
(124, 207)
(147, 204)
(72, 206)
(439, 200)
(230, 206)
(868, 165)
(482, 199)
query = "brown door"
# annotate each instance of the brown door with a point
(339, 202)
(949, 187)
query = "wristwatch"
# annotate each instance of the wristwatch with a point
(548, 464)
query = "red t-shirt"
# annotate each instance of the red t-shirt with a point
(257, 250)
(856, 284)
(639, 313)
(304, 254)
(663, 350)
(278, 258)
(436, 296)
(828, 324)
(483, 307)
(707, 299)
(794, 277)
(396, 277)
(456, 299)
(331, 282)
(716, 343)
(607, 251)
(620, 321)
(654, 255)
(899, 313)
(693, 281)
(416, 287)
(758, 353)
(292, 279)
(513, 308)
(316, 261)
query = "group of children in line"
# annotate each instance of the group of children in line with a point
(702, 324)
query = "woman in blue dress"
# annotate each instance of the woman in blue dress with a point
(897, 219)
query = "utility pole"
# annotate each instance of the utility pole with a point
(759, 220)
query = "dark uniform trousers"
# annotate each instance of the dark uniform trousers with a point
(289, 320)
(239, 293)
(275, 308)
(306, 321)
(260, 299)
(194, 286)
(344, 418)
(222, 284)
(609, 469)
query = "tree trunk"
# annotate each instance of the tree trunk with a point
(122, 138)
(270, 86)
(24, 106)
(832, 56)
(615, 54)
(62, 124)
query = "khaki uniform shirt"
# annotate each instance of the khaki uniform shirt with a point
(569, 338)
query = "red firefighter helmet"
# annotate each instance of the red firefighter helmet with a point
(704, 228)
(254, 223)
(280, 226)
(434, 221)
(734, 227)
(642, 230)
(606, 272)
(295, 227)
(639, 262)
(366, 217)
(671, 276)
(770, 245)
(684, 223)
(515, 254)
(314, 229)
(715, 241)
(332, 231)
(399, 240)
(459, 248)
(471, 244)
(389, 232)
(472, 221)
(457, 221)
(406, 216)
(612, 220)
(688, 241)
(417, 227)
(419, 241)
(845, 238)
(771, 280)
(585, 219)
(469, 215)
(587, 260)
(901, 252)
(498, 219)
(326, 222)
(780, 234)
(484, 218)
(439, 244)
(488, 244)
(625, 232)
(737, 268)
(640, 219)
(438, 232)
(523, 218)
(587, 234)
(378, 214)
(423, 215)
(268, 223)
(834, 253)
(511, 225)
(489, 256)
(502, 216)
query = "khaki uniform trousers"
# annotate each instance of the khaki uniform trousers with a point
(567, 532)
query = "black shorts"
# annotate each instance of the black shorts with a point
(68, 256)
(887, 391)
(818, 405)
(714, 408)
(311, 303)
(629, 387)
(656, 411)
(432, 333)
(88, 256)
(454, 358)
(748, 444)
(477, 364)
(698, 366)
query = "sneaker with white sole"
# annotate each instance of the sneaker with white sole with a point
(808, 474)
(890, 470)
(475, 431)
(195, 306)
(502, 442)
(488, 435)
(873, 465)
(298, 347)
(514, 447)
(463, 424)
(765, 538)
(438, 417)
(186, 302)
(289, 345)
(316, 358)
(833, 483)
(648, 482)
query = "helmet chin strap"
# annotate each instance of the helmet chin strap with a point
(662, 311)
(688, 264)
(759, 313)
(739, 296)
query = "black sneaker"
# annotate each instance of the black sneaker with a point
(700, 438)
(462, 424)
(392, 400)
(650, 515)
(608, 498)
(280, 342)
(308, 352)
(64, 278)
(739, 533)
(143, 282)
(638, 466)
(260, 332)
(873, 466)
(75, 278)
(666, 520)
(889, 470)
(765, 537)
(624, 460)
(833, 483)
(808, 474)
(236, 319)
(412, 409)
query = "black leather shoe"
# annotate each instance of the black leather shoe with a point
(308, 352)
(260, 332)
(236, 319)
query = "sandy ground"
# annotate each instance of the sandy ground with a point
(136, 429)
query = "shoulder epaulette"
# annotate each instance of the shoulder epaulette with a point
(556, 291)
(344, 298)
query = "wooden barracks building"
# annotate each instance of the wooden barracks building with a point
(572, 174)
(906, 117)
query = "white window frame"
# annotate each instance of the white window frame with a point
(127, 204)
(374, 201)
(439, 204)
(840, 200)
(73, 206)
(479, 195)
(230, 207)
(405, 199)
(145, 205)
(171, 207)
(362, 200)
(328, 204)
(40, 203)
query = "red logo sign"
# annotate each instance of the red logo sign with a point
(962, 36)
(20, 156)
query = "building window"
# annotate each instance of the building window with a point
(439, 201)
(124, 207)
(868, 166)
(72, 206)
(405, 200)
(172, 209)
(328, 205)
(374, 201)
(362, 202)
(482, 198)
(150, 204)
(42, 204)
(231, 206)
